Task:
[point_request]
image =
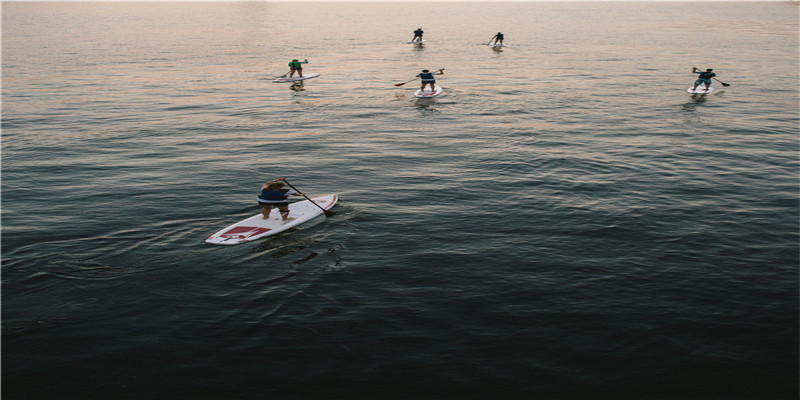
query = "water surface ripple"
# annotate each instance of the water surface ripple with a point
(564, 222)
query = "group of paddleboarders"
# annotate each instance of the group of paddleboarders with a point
(427, 77)
(498, 38)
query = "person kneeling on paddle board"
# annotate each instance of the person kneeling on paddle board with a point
(704, 78)
(428, 79)
(274, 195)
(295, 65)
(417, 34)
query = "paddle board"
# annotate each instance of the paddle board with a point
(701, 90)
(496, 45)
(428, 92)
(418, 41)
(256, 227)
(295, 78)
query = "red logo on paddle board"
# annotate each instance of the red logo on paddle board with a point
(243, 232)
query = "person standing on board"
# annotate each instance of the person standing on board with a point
(417, 34)
(428, 79)
(498, 38)
(274, 195)
(296, 66)
(704, 78)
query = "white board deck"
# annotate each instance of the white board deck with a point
(256, 227)
(418, 41)
(295, 78)
(428, 92)
(496, 45)
(701, 90)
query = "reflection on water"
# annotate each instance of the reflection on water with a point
(426, 106)
(695, 99)
(700, 98)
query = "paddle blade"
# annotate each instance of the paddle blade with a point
(725, 84)
(329, 213)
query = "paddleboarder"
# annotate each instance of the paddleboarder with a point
(417, 34)
(428, 79)
(498, 38)
(274, 195)
(296, 66)
(704, 78)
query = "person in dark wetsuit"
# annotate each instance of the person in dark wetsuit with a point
(274, 195)
(296, 66)
(428, 79)
(704, 78)
(498, 38)
(417, 34)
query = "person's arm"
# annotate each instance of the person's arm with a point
(304, 61)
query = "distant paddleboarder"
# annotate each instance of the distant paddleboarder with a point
(417, 35)
(497, 38)
(427, 78)
(704, 78)
(296, 66)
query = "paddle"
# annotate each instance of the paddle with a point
(328, 213)
(415, 78)
(401, 84)
(723, 83)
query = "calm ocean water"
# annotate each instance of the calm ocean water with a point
(565, 221)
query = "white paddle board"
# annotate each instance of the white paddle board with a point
(295, 78)
(428, 92)
(496, 45)
(418, 41)
(256, 227)
(701, 90)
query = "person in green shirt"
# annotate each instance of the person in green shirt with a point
(296, 67)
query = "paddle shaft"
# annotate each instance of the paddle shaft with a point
(327, 212)
(401, 84)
